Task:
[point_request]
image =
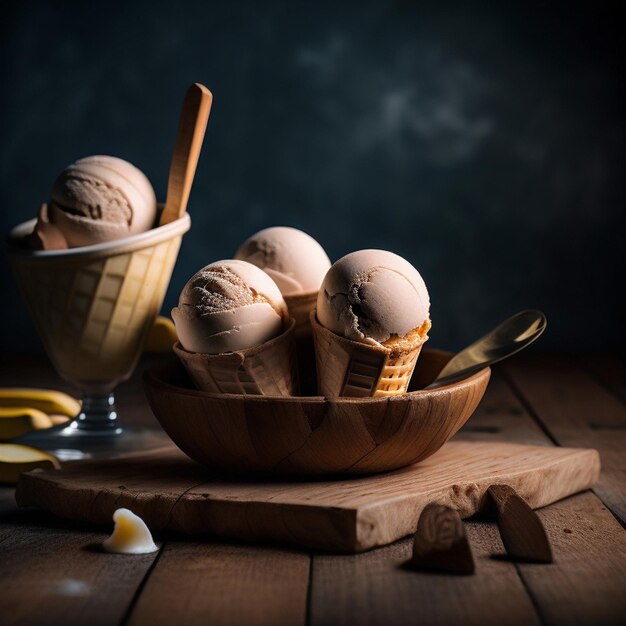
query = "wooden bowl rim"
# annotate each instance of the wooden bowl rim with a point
(151, 378)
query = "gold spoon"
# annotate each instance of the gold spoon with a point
(507, 339)
(193, 121)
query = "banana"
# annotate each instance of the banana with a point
(162, 336)
(57, 420)
(17, 421)
(15, 459)
(45, 400)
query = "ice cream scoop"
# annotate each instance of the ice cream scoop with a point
(46, 236)
(375, 297)
(371, 322)
(295, 261)
(227, 306)
(101, 198)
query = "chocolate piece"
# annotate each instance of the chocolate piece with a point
(440, 542)
(522, 532)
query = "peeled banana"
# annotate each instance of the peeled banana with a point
(44, 400)
(17, 421)
(162, 336)
(15, 459)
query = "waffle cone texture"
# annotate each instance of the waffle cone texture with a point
(94, 306)
(300, 306)
(265, 370)
(354, 369)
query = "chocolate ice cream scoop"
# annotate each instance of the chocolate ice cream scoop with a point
(101, 198)
(229, 305)
(295, 261)
(375, 297)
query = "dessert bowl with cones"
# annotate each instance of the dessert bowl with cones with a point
(313, 435)
(331, 387)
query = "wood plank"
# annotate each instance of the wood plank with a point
(587, 583)
(609, 370)
(55, 574)
(377, 588)
(371, 589)
(211, 583)
(500, 417)
(170, 492)
(582, 584)
(577, 410)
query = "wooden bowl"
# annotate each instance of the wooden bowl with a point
(312, 435)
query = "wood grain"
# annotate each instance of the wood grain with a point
(584, 586)
(575, 408)
(221, 584)
(192, 125)
(349, 515)
(501, 417)
(586, 583)
(50, 575)
(311, 435)
(372, 588)
(378, 587)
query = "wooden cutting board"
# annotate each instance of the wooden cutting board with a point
(171, 492)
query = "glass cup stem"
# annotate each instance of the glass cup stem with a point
(97, 417)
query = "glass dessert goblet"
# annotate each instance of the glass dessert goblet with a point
(93, 307)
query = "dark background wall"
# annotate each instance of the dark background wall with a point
(486, 145)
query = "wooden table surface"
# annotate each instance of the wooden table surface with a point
(52, 572)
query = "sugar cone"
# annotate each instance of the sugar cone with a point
(265, 370)
(300, 306)
(352, 368)
(94, 306)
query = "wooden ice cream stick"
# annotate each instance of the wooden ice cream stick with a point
(440, 542)
(522, 532)
(193, 121)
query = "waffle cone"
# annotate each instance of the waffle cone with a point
(94, 306)
(352, 368)
(300, 306)
(265, 370)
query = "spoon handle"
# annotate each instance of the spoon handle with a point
(513, 335)
(191, 127)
